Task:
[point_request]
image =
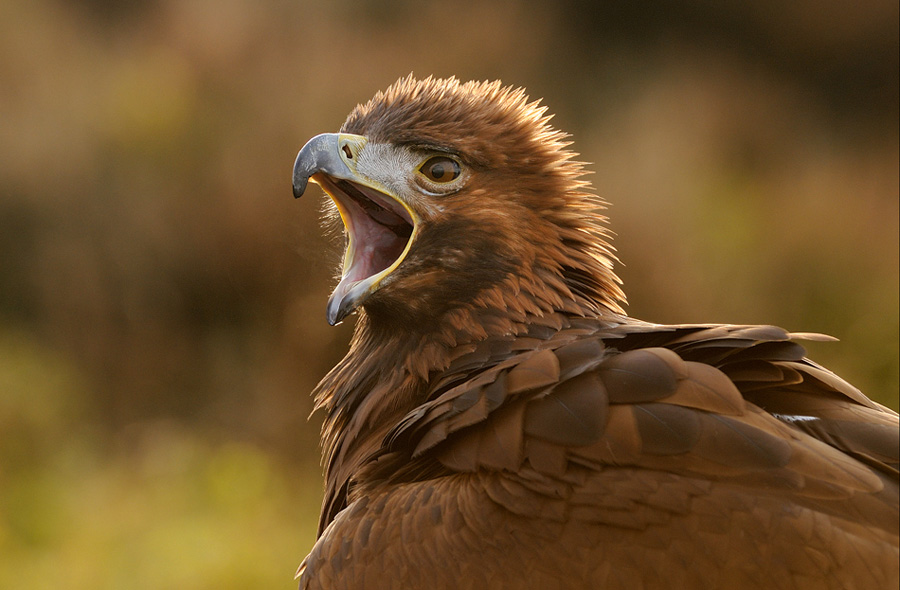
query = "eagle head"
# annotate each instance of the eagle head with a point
(459, 196)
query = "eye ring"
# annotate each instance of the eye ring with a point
(440, 169)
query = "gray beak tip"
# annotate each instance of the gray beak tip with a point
(320, 154)
(299, 187)
(301, 176)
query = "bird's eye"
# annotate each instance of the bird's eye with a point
(441, 169)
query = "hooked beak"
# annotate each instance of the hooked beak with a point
(380, 226)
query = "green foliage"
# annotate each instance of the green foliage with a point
(158, 506)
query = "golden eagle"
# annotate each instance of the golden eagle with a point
(499, 422)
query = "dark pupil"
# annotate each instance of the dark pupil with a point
(437, 171)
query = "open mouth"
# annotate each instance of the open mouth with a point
(379, 231)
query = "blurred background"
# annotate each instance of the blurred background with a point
(162, 295)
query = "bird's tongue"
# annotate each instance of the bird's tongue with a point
(377, 239)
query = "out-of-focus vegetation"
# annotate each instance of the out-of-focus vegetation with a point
(162, 295)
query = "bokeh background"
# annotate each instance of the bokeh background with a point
(162, 295)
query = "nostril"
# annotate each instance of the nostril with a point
(347, 151)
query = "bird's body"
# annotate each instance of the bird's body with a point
(500, 423)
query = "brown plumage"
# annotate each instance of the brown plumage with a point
(500, 423)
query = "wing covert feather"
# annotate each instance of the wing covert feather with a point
(627, 443)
